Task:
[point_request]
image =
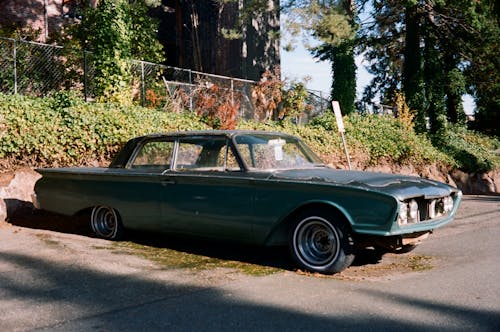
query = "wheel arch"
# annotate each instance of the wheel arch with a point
(84, 211)
(279, 234)
(88, 210)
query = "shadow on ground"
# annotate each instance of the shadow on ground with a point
(84, 299)
(276, 257)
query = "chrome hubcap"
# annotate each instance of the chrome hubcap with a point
(316, 242)
(104, 221)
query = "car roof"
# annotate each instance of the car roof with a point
(227, 133)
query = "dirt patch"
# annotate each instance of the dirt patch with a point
(368, 266)
(392, 266)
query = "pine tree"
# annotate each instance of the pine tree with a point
(333, 23)
(446, 47)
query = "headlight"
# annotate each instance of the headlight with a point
(440, 207)
(413, 211)
(447, 204)
(403, 214)
(433, 212)
(408, 212)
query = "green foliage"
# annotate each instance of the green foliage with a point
(334, 27)
(344, 73)
(17, 31)
(294, 100)
(33, 68)
(433, 51)
(384, 138)
(106, 32)
(64, 99)
(333, 24)
(329, 22)
(472, 151)
(144, 30)
(483, 74)
(116, 32)
(62, 131)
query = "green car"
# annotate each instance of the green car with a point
(254, 187)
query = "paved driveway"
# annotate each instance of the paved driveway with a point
(57, 281)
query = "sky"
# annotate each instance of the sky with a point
(300, 63)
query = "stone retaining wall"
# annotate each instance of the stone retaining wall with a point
(15, 190)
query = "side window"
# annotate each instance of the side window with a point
(187, 155)
(154, 155)
(205, 154)
(228, 160)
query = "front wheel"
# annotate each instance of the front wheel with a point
(106, 223)
(399, 250)
(321, 242)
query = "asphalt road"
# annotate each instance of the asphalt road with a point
(57, 281)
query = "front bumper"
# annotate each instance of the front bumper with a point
(394, 242)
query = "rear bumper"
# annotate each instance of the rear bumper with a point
(34, 200)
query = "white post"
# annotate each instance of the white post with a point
(340, 125)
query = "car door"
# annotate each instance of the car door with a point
(206, 192)
(140, 185)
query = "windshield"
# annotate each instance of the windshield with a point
(272, 152)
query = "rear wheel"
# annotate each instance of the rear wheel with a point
(321, 242)
(106, 223)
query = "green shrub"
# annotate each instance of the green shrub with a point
(384, 138)
(60, 131)
(472, 151)
(64, 131)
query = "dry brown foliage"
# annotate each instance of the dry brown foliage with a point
(267, 94)
(217, 107)
(153, 100)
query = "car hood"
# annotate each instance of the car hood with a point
(400, 186)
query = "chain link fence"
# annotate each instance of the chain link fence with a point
(37, 69)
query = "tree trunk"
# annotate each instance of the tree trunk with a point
(413, 85)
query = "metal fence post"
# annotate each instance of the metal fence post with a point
(232, 92)
(190, 90)
(85, 69)
(143, 85)
(15, 67)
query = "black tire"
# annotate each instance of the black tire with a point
(321, 242)
(401, 250)
(106, 223)
(405, 249)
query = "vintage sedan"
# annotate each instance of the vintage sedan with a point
(254, 187)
